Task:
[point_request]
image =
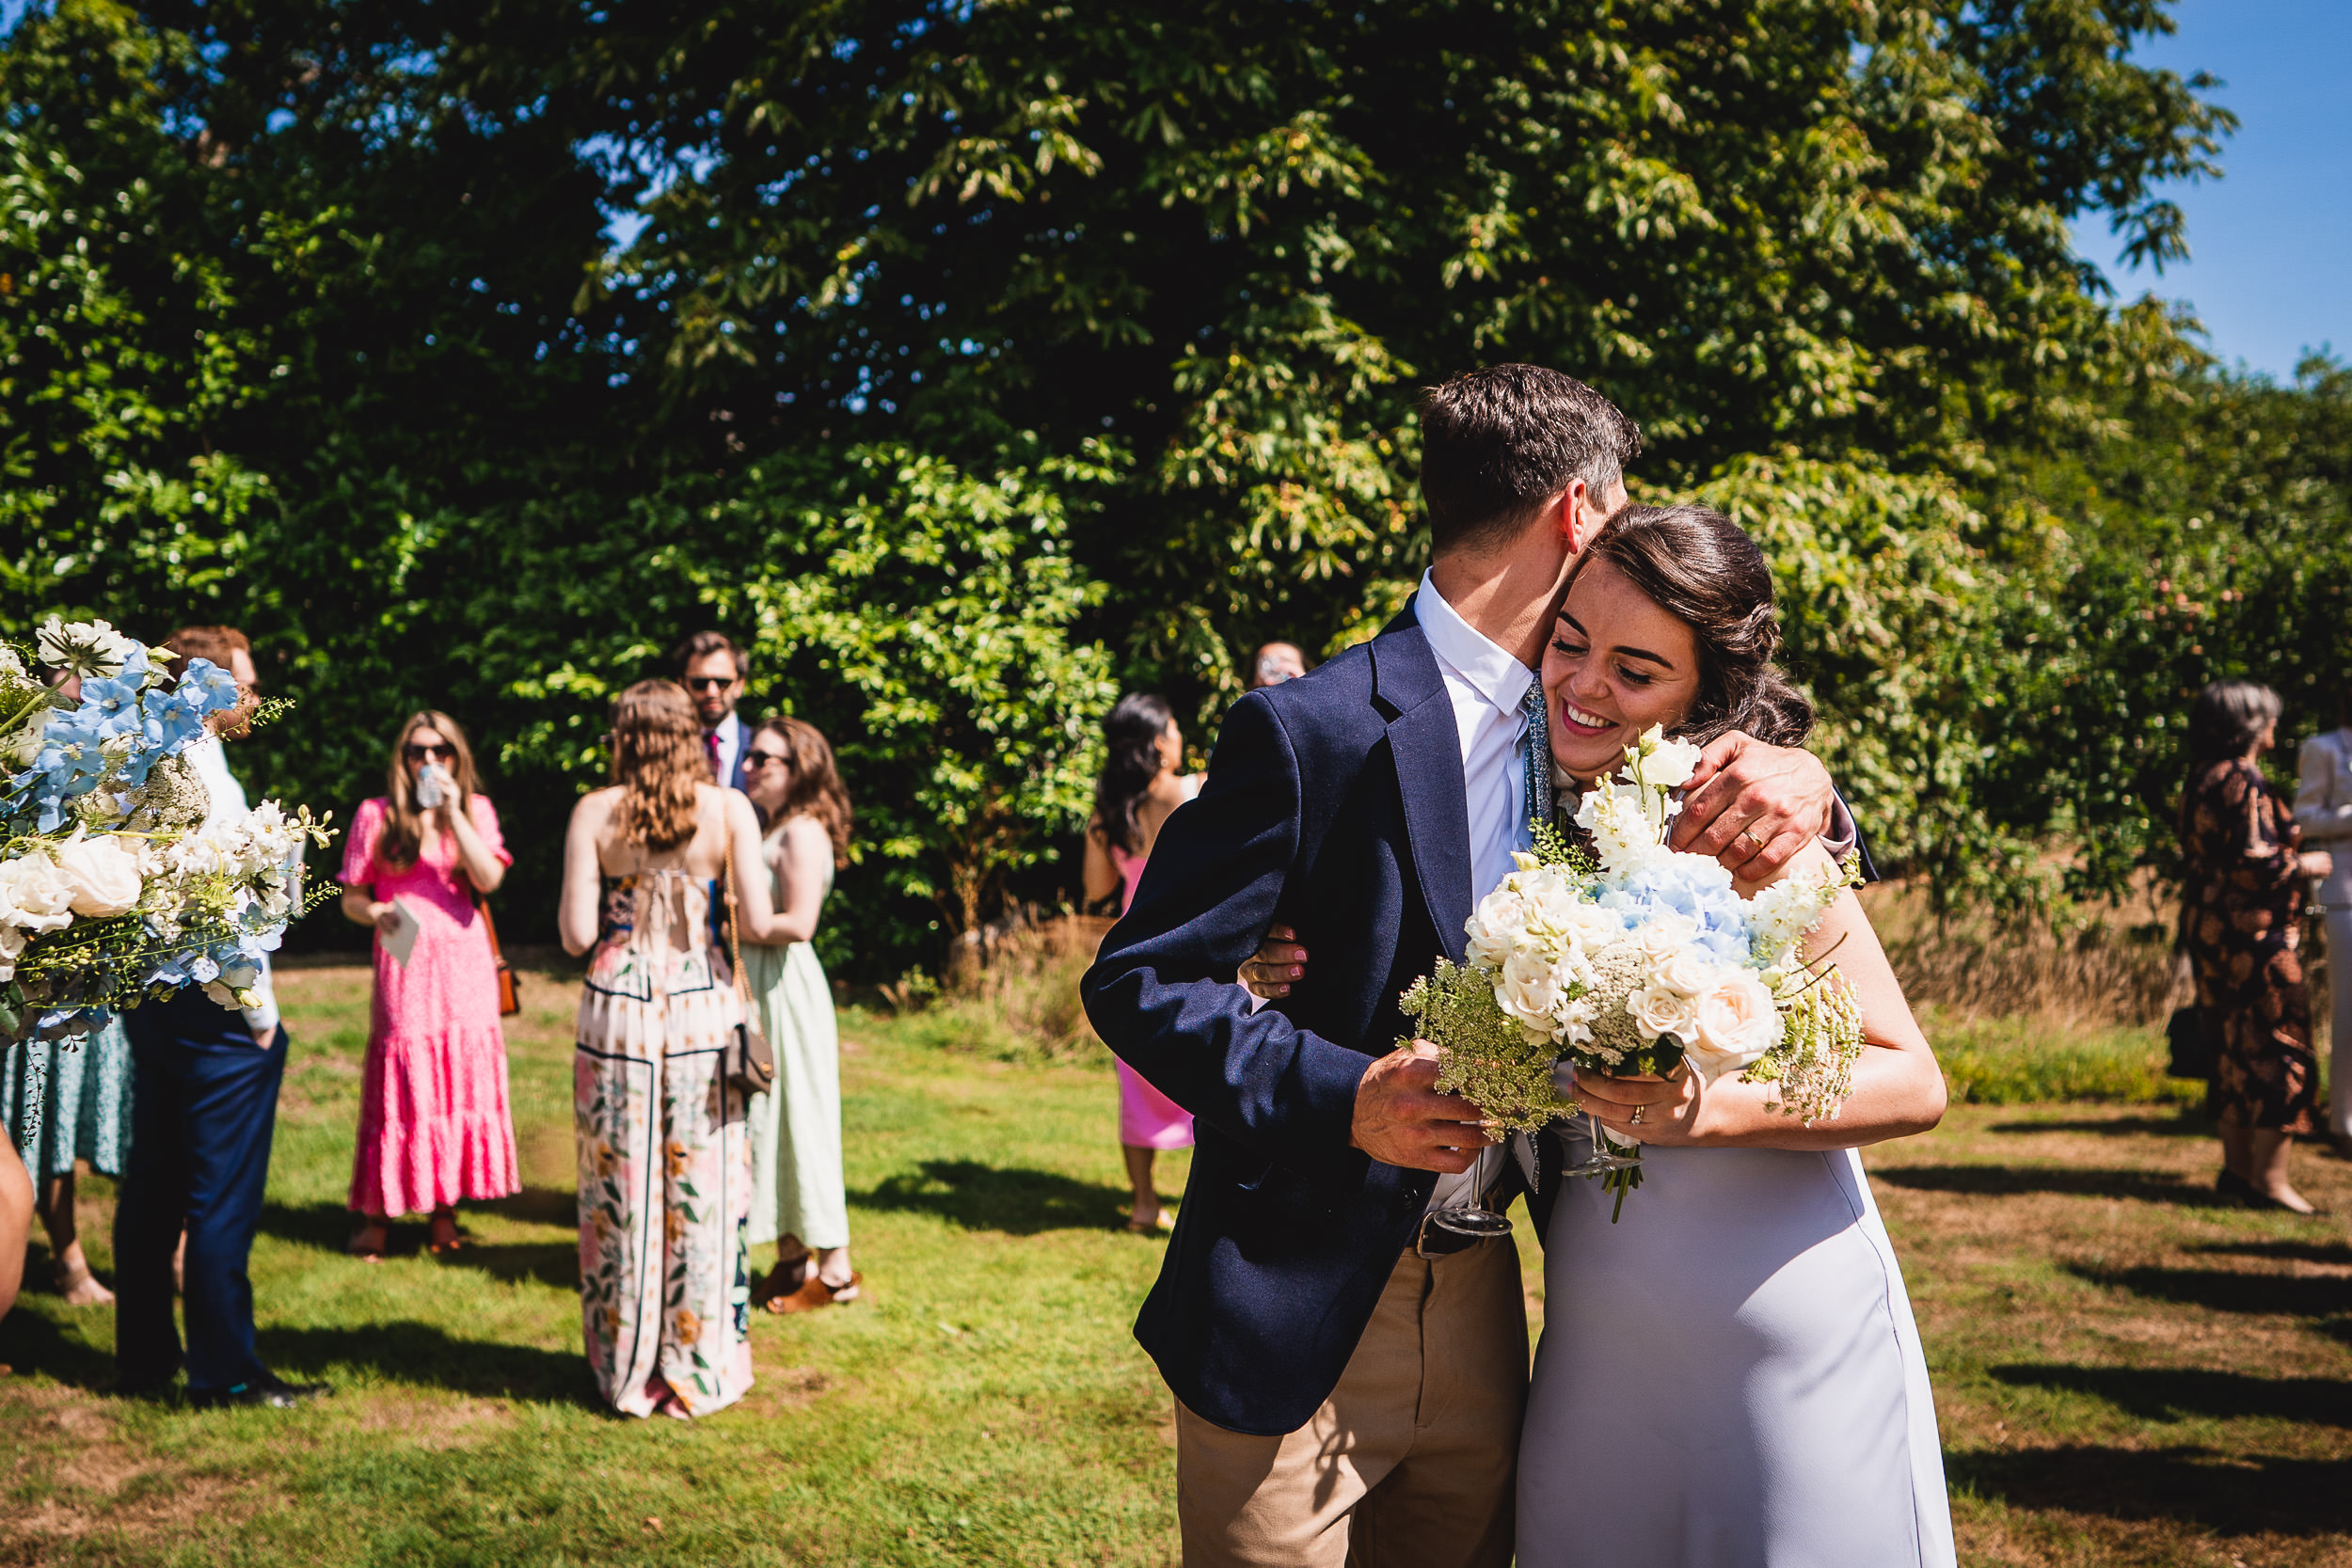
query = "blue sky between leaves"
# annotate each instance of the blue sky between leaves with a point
(2270, 269)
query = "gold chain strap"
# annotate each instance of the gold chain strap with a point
(735, 950)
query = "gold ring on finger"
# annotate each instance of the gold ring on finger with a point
(1635, 1119)
(1749, 836)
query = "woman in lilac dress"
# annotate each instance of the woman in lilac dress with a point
(433, 1124)
(1140, 786)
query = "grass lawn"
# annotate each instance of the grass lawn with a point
(2126, 1372)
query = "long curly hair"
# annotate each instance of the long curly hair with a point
(1700, 567)
(404, 825)
(1131, 761)
(658, 759)
(816, 790)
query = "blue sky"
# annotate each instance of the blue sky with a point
(2270, 271)
(2270, 267)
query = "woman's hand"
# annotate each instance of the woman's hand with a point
(1278, 960)
(2316, 863)
(1662, 1110)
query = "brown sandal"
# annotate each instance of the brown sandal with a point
(814, 1294)
(784, 1282)
(361, 1249)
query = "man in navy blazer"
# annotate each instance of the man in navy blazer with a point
(1349, 1377)
(711, 668)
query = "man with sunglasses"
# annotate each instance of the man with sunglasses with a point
(712, 669)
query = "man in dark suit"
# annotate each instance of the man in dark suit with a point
(1349, 1377)
(711, 668)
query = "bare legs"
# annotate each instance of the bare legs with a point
(1145, 1213)
(66, 1261)
(2258, 1156)
(16, 1222)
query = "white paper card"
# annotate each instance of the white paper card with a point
(400, 940)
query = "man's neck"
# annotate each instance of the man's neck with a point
(1508, 596)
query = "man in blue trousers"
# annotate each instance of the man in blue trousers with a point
(204, 1106)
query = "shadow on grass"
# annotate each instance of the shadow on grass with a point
(984, 1198)
(2228, 1290)
(539, 1206)
(2145, 1186)
(72, 1344)
(2188, 1124)
(2336, 1253)
(416, 1352)
(2177, 1393)
(2237, 1495)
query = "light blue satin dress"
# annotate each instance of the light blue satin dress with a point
(1730, 1376)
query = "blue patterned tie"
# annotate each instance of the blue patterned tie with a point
(1538, 757)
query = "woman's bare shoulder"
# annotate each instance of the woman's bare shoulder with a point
(597, 804)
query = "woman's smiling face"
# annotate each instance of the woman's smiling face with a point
(1615, 665)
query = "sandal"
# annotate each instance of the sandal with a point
(784, 1281)
(1166, 1222)
(366, 1251)
(444, 1237)
(814, 1294)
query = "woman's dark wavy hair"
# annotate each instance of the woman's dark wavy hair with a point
(2227, 717)
(1699, 567)
(1132, 761)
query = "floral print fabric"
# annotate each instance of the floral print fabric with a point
(664, 1156)
(2241, 923)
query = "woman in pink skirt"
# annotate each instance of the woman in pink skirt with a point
(1140, 785)
(433, 1124)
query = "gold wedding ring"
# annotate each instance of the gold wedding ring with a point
(1749, 834)
(1635, 1119)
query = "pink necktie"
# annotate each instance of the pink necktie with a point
(710, 738)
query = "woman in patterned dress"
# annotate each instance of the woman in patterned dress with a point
(664, 1147)
(2241, 922)
(433, 1123)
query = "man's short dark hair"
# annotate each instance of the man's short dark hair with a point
(705, 642)
(1496, 444)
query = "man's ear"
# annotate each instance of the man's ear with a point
(1576, 518)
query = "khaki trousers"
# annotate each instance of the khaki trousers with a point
(1412, 1461)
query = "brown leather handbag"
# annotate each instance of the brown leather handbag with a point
(509, 1002)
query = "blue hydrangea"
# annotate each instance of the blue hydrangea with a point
(1688, 885)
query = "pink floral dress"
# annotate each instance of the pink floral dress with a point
(433, 1123)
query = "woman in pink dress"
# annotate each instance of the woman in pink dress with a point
(433, 1124)
(1140, 785)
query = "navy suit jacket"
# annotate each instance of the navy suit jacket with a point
(1335, 804)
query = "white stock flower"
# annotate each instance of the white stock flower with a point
(104, 873)
(1738, 1023)
(23, 748)
(84, 648)
(1624, 838)
(34, 895)
(1662, 1010)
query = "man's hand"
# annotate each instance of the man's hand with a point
(1753, 806)
(1278, 960)
(1402, 1120)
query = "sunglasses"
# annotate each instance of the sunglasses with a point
(710, 683)
(430, 753)
(757, 758)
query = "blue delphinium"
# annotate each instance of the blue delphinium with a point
(143, 725)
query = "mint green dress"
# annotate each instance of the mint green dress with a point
(796, 1127)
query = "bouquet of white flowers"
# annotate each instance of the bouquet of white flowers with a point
(113, 887)
(1637, 963)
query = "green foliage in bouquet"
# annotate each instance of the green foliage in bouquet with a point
(1489, 1059)
(1821, 1040)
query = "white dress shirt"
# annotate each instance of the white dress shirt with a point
(225, 798)
(1486, 684)
(730, 733)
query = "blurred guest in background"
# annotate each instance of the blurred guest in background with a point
(1277, 662)
(711, 668)
(83, 1093)
(797, 1198)
(2242, 873)
(203, 1109)
(1142, 784)
(433, 1123)
(2323, 809)
(665, 1170)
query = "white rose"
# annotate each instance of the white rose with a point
(11, 947)
(104, 873)
(1738, 1023)
(1659, 1010)
(1685, 973)
(1663, 937)
(1528, 990)
(1496, 928)
(34, 895)
(1665, 764)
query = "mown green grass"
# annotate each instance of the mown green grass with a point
(2126, 1372)
(2033, 1061)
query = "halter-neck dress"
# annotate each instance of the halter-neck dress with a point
(665, 1169)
